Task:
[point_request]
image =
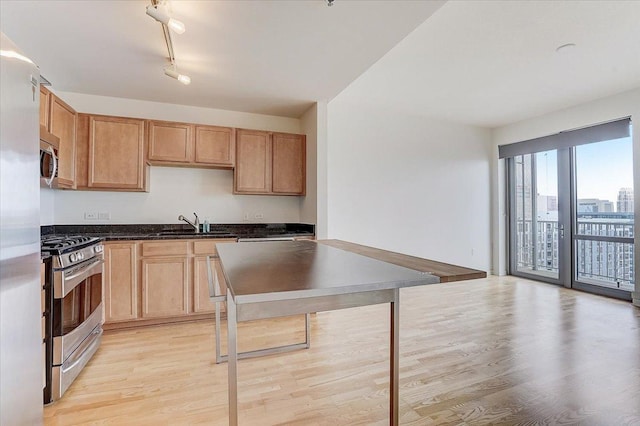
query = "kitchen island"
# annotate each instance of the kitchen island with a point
(267, 280)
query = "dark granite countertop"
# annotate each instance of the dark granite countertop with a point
(180, 231)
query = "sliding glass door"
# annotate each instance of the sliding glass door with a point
(535, 225)
(603, 219)
(571, 209)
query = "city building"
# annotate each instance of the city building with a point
(594, 205)
(625, 200)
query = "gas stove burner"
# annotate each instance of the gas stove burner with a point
(63, 242)
(72, 249)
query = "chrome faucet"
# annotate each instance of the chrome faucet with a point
(195, 224)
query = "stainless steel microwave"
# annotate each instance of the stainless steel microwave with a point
(49, 144)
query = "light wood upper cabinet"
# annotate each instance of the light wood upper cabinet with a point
(45, 96)
(120, 282)
(289, 163)
(116, 153)
(252, 174)
(215, 146)
(59, 119)
(270, 163)
(184, 144)
(62, 123)
(169, 141)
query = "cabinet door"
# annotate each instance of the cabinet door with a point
(170, 142)
(63, 124)
(289, 161)
(120, 282)
(45, 95)
(215, 146)
(116, 153)
(165, 287)
(252, 174)
(201, 302)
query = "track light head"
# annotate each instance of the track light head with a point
(184, 79)
(177, 26)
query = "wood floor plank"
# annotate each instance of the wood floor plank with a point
(499, 350)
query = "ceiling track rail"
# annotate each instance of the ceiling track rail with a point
(167, 37)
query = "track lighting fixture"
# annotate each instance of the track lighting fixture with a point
(173, 73)
(157, 11)
(177, 26)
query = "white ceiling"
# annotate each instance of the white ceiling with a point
(269, 57)
(486, 63)
(491, 63)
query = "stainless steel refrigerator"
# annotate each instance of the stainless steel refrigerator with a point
(21, 363)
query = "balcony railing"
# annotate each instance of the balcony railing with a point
(604, 251)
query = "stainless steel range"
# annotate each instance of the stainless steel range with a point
(73, 314)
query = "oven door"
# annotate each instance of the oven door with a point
(77, 307)
(63, 375)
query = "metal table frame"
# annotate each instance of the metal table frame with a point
(292, 278)
(272, 309)
(215, 295)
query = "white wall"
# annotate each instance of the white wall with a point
(47, 206)
(308, 204)
(313, 207)
(606, 109)
(409, 184)
(175, 191)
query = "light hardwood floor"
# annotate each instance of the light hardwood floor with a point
(499, 350)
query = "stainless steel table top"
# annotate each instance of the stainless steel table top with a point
(284, 270)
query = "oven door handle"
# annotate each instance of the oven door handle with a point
(69, 282)
(77, 356)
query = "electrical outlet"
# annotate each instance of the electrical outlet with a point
(259, 216)
(104, 216)
(90, 215)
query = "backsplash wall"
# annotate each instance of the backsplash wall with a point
(175, 191)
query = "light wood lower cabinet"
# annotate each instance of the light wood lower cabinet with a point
(165, 287)
(150, 282)
(120, 282)
(201, 301)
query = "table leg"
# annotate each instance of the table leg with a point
(232, 350)
(217, 331)
(394, 390)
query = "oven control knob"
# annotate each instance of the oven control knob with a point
(98, 249)
(73, 257)
(80, 256)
